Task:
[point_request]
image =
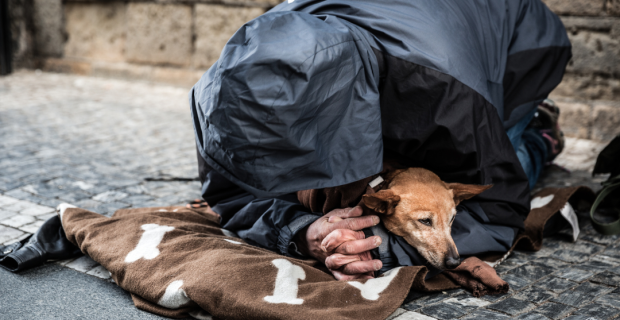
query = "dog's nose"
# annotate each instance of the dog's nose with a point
(453, 259)
(452, 262)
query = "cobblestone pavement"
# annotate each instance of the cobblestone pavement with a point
(107, 144)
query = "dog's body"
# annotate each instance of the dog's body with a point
(419, 207)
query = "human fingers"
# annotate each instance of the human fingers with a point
(337, 237)
(346, 212)
(358, 246)
(347, 277)
(358, 267)
(365, 256)
(337, 260)
(357, 223)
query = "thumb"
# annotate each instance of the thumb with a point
(348, 212)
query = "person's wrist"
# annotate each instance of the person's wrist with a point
(301, 242)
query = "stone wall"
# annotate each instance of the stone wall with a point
(169, 41)
(593, 27)
(189, 34)
(589, 94)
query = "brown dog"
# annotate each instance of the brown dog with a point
(419, 207)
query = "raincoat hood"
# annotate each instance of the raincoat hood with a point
(293, 103)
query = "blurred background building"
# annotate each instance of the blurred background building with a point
(175, 41)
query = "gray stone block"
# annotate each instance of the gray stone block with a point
(579, 318)
(531, 272)
(584, 247)
(49, 37)
(531, 316)
(256, 3)
(554, 263)
(512, 306)
(18, 220)
(82, 264)
(570, 255)
(43, 190)
(489, 315)
(423, 298)
(610, 299)
(612, 252)
(594, 266)
(110, 196)
(576, 7)
(613, 7)
(159, 33)
(516, 259)
(215, 24)
(497, 297)
(556, 285)
(23, 195)
(615, 261)
(96, 31)
(597, 310)
(608, 278)
(574, 274)
(74, 196)
(135, 199)
(516, 283)
(411, 306)
(601, 239)
(554, 310)
(6, 214)
(606, 119)
(582, 294)
(7, 234)
(575, 119)
(536, 295)
(53, 203)
(443, 311)
(602, 24)
(135, 189)
(466, 301)
(588, 86)
(6, 185)
(594, 52)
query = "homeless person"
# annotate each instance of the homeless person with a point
(316, 94)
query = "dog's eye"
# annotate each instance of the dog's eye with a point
(425, 222)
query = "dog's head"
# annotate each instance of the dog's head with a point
(419, 207)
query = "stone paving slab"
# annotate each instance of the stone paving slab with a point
(106, 144)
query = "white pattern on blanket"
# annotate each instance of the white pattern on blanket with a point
(147, 246)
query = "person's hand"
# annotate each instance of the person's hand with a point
(335, 240)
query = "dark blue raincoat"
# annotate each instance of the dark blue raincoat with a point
(315, 94)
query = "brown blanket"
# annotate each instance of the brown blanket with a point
(478, 277)
(178, 262)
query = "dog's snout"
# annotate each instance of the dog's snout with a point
(453, 259)
(453, 262)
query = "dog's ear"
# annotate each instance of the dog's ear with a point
(465, 191)
(383, 201)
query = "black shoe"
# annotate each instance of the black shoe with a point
(546, 122)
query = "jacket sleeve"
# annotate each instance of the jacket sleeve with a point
(268, 223)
